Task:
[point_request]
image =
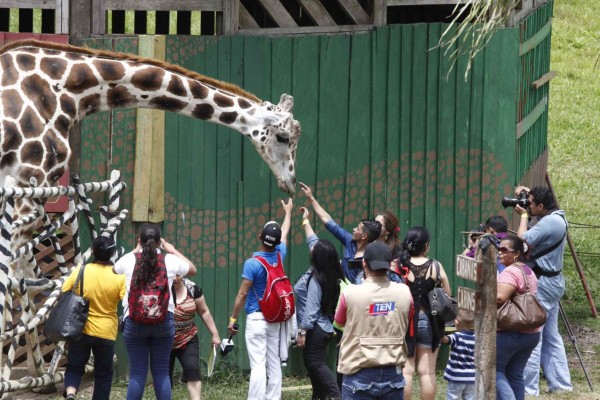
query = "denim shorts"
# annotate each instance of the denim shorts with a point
(424, 331)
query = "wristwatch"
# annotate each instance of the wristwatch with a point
(302, 332)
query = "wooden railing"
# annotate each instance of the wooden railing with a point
(61, 8)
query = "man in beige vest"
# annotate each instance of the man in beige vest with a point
(375, 316)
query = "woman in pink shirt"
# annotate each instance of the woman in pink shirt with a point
(513, 348)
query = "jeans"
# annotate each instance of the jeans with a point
(550, 353)
(460, 391)
(154, 341)
(383, 383)
(424, 331)
(323, 381)
(79, 354)
(513, 351)
(262, 342)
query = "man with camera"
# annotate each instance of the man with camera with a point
(546, 244)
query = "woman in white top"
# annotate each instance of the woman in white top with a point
(148, 307)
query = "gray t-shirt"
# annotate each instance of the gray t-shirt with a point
(549, 230)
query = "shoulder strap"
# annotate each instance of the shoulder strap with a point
(79, 280)
(266, 266)
(438, 280)
(555, 245)
(524, 276)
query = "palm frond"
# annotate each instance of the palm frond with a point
(472, 34)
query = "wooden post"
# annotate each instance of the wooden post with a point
(98, 24)
(231, 17)
(379, 12)
(485, 326)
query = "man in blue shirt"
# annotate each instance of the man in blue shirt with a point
(367, 231)
(262, 337)
(546, 243)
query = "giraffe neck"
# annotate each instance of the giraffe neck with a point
(45, 89)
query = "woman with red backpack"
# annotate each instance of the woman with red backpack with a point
(148, 309)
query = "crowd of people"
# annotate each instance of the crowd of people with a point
(372, 301)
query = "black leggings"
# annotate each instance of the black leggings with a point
(189, 358)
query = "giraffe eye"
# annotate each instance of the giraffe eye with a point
(282, 139)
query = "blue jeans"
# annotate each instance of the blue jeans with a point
(383, 383)
(460, 391)
(550, 353)
(154, 341)
(512, 352)
(79, 354)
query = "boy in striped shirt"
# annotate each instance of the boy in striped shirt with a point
(460, 371)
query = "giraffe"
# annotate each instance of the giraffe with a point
(47, 88)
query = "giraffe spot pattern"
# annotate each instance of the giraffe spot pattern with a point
(27, 172)
(39, 92)
(13, 104)
(26, 62)
(90, 104)
(67, 104)
(228, 117)
(80, 79)
(8, 159)
(199, 91)
(12, 137)
(32, 153)
(62, 125)
(167, 103)
(243, 103)
(176, 87)
(53, 67)
(222, 101)
(9, 74)
(56, 151)
(149, 79)
(119, 97)
(71, 56)
(31, 124)
(203, 111)
(109, 70)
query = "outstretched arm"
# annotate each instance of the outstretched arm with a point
(287, 220)
(169, 248)
(321, 213)
(240, 299)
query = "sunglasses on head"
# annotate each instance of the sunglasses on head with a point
(505, 250)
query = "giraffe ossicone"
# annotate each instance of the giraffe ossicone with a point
(46, 88)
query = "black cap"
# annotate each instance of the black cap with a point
(271, 234)
(378, 255)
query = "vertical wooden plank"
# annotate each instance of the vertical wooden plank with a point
(406, 82)
(392, 147)
(378, 192)
(334, 73)
(418, 125)
(236, 225)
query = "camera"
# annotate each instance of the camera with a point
(522, 200)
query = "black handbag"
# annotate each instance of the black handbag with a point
(68, 317)
(442, 306)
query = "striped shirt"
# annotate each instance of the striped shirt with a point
(461, 363)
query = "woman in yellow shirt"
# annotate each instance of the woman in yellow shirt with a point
(104, 289)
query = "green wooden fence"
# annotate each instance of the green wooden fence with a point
(382, 128)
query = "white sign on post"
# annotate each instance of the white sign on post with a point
(468, 299)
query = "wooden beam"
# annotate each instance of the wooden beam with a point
(532, 117)
(536, 39)
(307, 30)
(424, 2)
(278, 12)
(379, 12)
(355, 12)
(231, 17)
(99, 17)
(246, 20)
(80, 24)
(44, 4)
(162, 5)
(317, 12)
(148, 182)
(538, 83)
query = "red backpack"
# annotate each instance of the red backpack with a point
(149, 303)
(277, 304)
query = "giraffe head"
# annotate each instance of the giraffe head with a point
(277, 141)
